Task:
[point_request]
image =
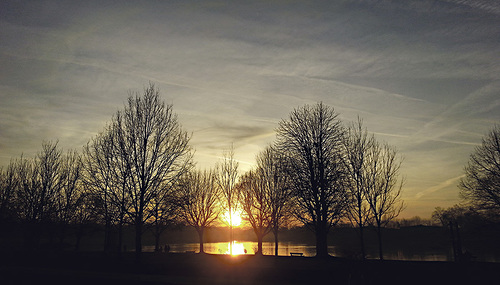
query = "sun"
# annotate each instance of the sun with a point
(234, 220)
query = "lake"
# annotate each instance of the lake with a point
(284, 249)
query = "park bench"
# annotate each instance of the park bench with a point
(296, 254)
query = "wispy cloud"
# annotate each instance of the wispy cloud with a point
(421, 75)
(438, 187)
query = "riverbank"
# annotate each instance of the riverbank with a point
(184, 268)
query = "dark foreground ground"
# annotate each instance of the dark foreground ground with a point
(97, 268)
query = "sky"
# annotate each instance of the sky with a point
(423, 75)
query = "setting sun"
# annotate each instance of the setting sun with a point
(234, 220)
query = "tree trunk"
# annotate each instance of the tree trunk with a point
(120, 235)
(32, 234)
(138, 237)
(259, 243)
(62, 234)
(77, 242)
(459, 242)
(379, 235)
(157, 239)
(275, 231)
(231, 235)
(138, 227)
(321, 241)
(79, 234)
(200, 235)
(453, 243)
(362, 241)
(107, 235)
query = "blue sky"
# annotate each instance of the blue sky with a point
(423, 75)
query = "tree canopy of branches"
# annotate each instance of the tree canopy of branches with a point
(255, 201)
(374, 182)
(312, 138)
(41, 183)
(9, 182)
(481, 184)
(71, 194)
(42, 190)
(154, 149)
(358, 143)
(383, 191)
(272, 169)
(198, 197)
(106, 177)
(455, 219)
(133, 165)
(226, 179)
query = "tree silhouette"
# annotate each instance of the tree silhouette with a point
(71, 194)
(272, 168)
(358, 143)
(101, 173)
(453, 219)
(198, 197)
(226, 179)
(312, 138)
(256, 203)
(383, 189)
(481, 184)
(39, 190)
(9, 183)
(154, 149)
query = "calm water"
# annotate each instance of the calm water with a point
(244, 247)
(284, 249)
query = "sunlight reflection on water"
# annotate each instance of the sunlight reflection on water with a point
(245, 247)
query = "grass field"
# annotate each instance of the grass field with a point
(153, 268)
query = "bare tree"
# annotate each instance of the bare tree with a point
(198, 197)
(272, 168)
(155, 150)
(119, 193)
(9, 182)
(453, 219)
(27, 192)
(71, 190)
(49, 164)
(40, 185)
(358, 143)
(226, 179)
(383, 190)
(313, 140)
(256, 203)
(481, 184)
(99, 163)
